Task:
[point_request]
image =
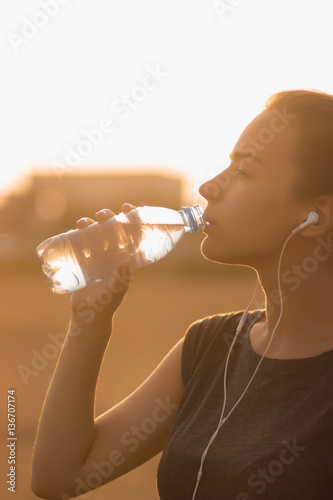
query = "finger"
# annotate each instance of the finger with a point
(127, 207)
(131, 213)
(104, 214)
(84, 222)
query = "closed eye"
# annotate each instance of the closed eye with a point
(240, 171)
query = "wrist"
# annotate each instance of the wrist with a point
(82, 318)
(98, 302)
(88, 308)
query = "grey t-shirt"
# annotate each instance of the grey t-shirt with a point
(278, 442)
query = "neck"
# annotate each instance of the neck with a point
(305, 328)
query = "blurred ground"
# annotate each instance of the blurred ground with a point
(156, 312)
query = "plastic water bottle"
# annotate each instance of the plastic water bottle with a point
(78, 258)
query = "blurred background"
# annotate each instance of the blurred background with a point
(105, 102)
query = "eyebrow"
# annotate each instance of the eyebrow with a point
(239, 155)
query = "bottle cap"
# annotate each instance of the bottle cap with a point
(194, 217)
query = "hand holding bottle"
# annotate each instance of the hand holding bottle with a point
(113, 288)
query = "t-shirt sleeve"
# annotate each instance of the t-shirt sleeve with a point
(202, 338)
(190, 347)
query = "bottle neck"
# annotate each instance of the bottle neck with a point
(193, 217)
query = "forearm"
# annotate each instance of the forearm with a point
(66, 429)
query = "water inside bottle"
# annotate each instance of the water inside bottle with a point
(157, 240)
(60, 265)
(77, 259)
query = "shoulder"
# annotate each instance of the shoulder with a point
(207, 340)
(214, 329)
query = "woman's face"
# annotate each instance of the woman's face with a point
(251, 207)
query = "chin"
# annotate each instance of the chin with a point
(211, 252)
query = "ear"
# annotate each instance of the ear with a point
(324, 209)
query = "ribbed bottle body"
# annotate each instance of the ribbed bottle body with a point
(79, 258)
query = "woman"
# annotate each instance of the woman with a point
(272, 392)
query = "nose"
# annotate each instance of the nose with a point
(212, 189)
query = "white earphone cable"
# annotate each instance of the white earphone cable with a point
(239, 327)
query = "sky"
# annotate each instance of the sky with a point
(166, 86)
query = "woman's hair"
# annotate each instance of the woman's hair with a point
(313, 153)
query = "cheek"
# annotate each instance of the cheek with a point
(246, 230)
(261, 212)
(245, 219)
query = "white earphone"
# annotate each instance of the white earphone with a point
(312, 218)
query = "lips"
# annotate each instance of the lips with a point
(209, 227)
(209, 221)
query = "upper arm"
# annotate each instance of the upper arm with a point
(135, 430)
